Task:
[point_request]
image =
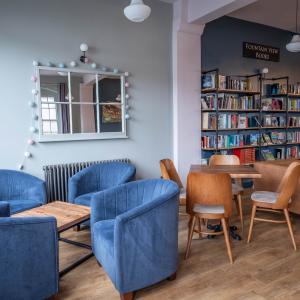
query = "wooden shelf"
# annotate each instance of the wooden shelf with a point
(273, 111)
(228, 91)
(230, 110)
(273, 127)
(294, 111)
(294, 95)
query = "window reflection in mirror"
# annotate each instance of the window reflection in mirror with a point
(80, 102)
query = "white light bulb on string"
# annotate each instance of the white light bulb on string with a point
(126, 74)
(20, 167)
(116, 71)
(127, 107)
(35, 117)
(94, 65)
(104, 69)
(127, 96)
(73, 63)
(33, 129)
(127, 84)
(31, 104)
(34, 91)
(35, 63)
(62, 65)
(127, 116)
(27, 154)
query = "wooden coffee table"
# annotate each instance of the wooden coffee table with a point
(67, 215)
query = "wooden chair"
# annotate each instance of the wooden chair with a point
(277, 201)
(209, 196)
(168, 171)
(237, 189)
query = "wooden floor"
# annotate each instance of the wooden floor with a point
(267, 268)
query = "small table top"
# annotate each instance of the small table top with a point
(67, 214)
(237, 172)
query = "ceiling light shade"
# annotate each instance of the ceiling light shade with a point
(294, 45)
(137, 11)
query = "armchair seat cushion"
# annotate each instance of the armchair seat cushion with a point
(17, 206)
(103, 241)
(84, 199)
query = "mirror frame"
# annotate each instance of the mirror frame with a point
(81, 136)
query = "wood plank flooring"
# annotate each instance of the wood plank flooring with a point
(267, 268)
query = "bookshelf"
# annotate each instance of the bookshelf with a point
(250, 115)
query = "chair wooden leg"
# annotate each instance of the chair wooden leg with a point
(288, 220)
(251, 223)
(127, 296)
(226, 235)
(199, 228)
(190, 237)
(240, 204)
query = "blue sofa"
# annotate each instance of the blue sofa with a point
(97, 178)
(21, 190)
(28, 257)
(135, 233)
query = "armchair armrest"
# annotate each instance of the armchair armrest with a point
(4, 209)
(28, 258)
(151, 230)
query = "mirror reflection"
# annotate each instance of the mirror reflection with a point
(78, 102)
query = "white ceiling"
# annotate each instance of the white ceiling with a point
(276, 13)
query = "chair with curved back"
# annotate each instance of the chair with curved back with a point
(21, 191)
(169, 172)
(135, 233)
(277, 201)
(237, 189)
(206, 200)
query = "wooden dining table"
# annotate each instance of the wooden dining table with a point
(237, 172)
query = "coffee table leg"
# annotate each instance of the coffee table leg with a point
(79, 261)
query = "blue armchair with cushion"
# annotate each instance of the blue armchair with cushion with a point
(97, 178)
(135, 233)
(21, 190)
(28, 257)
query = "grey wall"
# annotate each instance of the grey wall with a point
(222, 48)
(52, 30)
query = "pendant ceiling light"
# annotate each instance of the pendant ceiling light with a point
(294, 45)
(137, 11)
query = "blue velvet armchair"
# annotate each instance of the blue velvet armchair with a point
(135, 233)
(28, 257)
(97, 178)
(21, 190)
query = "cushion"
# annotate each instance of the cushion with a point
(103, 245)
(17, 206)
(264, 196)
(236, 188)
(208, 209)
(84, 199)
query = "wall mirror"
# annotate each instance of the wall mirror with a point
(80, 104)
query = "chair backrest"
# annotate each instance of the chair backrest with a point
(18, 185)
(224, 160)
(209, 189)
(288, 185)
(168, 171)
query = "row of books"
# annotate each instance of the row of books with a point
(209, 81)
(272, 104)
(273, 138)
(293, 152)
(293, 137)
(281, 88)
(294, 121)
(294, 104)
(273, 121)
(226, 101)
(230, 140)
(228, 121)
(294, 88)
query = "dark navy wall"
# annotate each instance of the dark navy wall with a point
(222, 42)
